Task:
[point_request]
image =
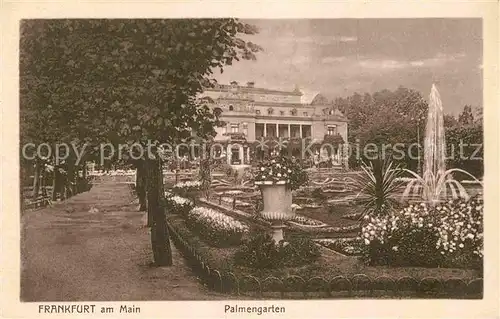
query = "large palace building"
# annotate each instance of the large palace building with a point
(258, 113)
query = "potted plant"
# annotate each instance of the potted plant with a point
(277, 178)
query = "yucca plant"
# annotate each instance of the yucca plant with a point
(377, 186)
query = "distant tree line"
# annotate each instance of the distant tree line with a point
(399, 116)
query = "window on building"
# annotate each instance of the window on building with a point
(234, 128)
(231, 107)
(332, 130)
(224, 129)
(305, 113)
(293, 112)
(245, 129)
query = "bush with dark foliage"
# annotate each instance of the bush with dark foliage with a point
(261, 252)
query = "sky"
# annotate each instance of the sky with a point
(338, 57)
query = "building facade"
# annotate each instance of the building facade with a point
(258, 113)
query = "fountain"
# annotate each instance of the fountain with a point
(436, 183)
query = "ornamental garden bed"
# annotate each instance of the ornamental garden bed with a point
(303, 224)
(350, 246)
(306, 222)
(331, 275)
(332, 215)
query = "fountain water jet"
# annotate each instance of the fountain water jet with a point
(435, 182)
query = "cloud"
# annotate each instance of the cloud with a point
(382, 64)
(315, 39)
(438, 60)
(333, 59)
(389, 64)
(298, 60)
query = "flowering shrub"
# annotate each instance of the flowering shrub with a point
(448, 235)
(217, 228)
(282, 169)
(178, 204)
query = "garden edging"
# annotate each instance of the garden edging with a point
(293, 287)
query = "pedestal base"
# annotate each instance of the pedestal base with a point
(277, 231)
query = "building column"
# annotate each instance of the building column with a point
(300, 130)
(248, 155)
(241, 155)
(344, 156)
(277, 130)
(265, 129)
(289, 132)
(228, 154)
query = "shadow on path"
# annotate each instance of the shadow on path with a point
(94, 247)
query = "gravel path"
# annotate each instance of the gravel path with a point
(94, 247)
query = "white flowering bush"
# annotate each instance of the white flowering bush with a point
(178, 204)
(447, 235)
(282, 169)
(217, 228)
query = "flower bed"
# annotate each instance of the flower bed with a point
(346, 246)
(217, 228)
(353, 216)
(230, 201)
(448, 235)
(305, 221)
(342, 229)
(233, 192)
(186, 187)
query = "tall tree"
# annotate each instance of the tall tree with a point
(136, 82)
(384, 117)
(466, 117)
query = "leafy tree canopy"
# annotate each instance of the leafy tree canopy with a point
(123, 81)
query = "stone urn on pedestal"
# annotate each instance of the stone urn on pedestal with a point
(277, 198)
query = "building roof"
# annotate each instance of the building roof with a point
(320, 99)
(247, 89)
(308, 96)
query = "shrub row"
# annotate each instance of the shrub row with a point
(317, 287)
(261, 252)
(218, 229)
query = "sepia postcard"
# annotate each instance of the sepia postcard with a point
(241, 159)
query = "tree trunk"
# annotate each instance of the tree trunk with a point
(36, 178)
(70, 180)
(55, 183)
(84, 184)
(205, 176)
(140, 187)
(159, 234)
